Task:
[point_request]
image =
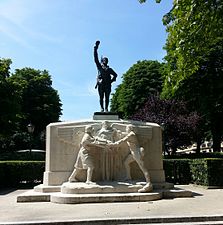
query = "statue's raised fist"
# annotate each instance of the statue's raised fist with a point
(97, 43)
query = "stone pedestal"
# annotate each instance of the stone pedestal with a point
(105, 116)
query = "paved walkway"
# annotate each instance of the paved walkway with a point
(205, 205)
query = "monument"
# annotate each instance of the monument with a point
(104, 159)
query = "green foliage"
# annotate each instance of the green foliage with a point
(26, 96)
(199, 171)
(196, 155)
(203, 171)
(207, 101)
(208, 172)
(22, 156)
(4, 68)
(195, 27)
(9, 101)
(143, 79)
(12, 173)
(40, 102)
(177, 171)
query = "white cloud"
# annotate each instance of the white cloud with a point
(14, 10)
(76, 90)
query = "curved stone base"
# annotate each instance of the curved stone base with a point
(114, 191)
(100, 198)
(101, 187)
(80, 192)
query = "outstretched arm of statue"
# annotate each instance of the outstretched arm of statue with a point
(96, 55)
(117, 143)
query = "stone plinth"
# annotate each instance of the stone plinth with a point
(105, 116)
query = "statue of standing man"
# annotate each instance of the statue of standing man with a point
(106, 76)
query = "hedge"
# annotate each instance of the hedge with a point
(177, 171)
(202, 155)
(22, 156)
(207, 172)
(13, 173)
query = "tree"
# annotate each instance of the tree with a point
(179, 124)
(141, 80)
(9, 103)
(203, 92)
(193, 27)
(40, 102)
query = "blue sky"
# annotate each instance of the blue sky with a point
(59, 35)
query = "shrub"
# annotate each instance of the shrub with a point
(13, 173)
(196, 155)
(22, 156)
(177, 171)
(208, 172)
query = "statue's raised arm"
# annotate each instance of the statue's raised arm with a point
(97, 43)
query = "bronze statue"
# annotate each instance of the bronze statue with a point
(106, 76)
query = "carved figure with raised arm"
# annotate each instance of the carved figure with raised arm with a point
(136, 154)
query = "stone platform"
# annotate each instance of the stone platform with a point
(106, 187)
(80, 192)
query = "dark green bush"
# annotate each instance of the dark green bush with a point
(177, 171)
(199, 170)
(13, 173)
(196, 155)
(207, 172)
(26, 156)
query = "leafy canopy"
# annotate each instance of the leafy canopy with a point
(141, 80)
(193, 27)
(40, 103)
(9, 101)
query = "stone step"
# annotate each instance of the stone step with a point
(59, 197)
(108, 197)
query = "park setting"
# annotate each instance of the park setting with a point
(111, 112)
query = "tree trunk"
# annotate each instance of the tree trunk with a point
(216, 141)
(216, 135)
(198, 150)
